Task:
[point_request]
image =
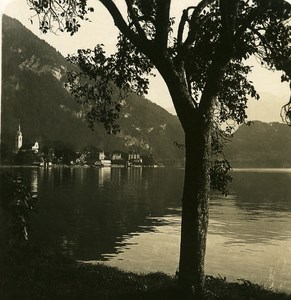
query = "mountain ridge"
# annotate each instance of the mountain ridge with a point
(33, 77)
(260, 145)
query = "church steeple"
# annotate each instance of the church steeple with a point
(18, 138)
(19, 129)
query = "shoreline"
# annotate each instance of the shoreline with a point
(55, 276)
(234, 169)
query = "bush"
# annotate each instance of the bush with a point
(16, 205)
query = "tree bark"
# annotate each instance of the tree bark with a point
(196, 123)
(195, 208)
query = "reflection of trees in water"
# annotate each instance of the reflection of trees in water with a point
(258, 210)
(88, 221)
(263, 191)
(90, 211)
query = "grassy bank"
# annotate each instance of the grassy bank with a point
(54, 276)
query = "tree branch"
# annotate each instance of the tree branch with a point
(118, 19)
(215, 73)
(183, 20)
(250, 20)
(255, 14)
(190, 90)
(143, 44)
(162, 23)
(193, 25)
(134, 19)
(228, 9)
(263, 40)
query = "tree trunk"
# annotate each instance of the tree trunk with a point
(196, 124)
(195, 208)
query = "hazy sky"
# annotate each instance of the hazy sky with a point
(102, 30)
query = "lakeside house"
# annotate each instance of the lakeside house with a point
(102, 161)
(118, 159)
(35, 147)
(116, 156)
(134, 159)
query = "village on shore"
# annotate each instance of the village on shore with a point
(30, 154)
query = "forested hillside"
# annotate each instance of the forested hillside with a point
(33, 77)
(33, 90)
(261, 145)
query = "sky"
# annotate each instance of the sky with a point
(102, 30)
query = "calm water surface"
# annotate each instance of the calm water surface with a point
(130, 218)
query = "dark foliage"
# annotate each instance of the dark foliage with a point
(219, 175)
(17, 203)
(101, 82)
(51, 275)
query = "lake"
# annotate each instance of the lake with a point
(130, 218)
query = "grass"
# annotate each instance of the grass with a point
(55, 276)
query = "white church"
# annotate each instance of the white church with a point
(18, 139)
(19, 142)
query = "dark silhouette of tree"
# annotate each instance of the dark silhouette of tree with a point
(16, 205)
(204, 65)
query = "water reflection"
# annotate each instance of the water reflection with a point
(130, 199)
(104, 176)
(260, 202)
(95, 209)
(252, 228)
(134, 175)
(130, 217)
(116, 176)
(266, 189)
(34, 181)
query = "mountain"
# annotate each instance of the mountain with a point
(261, 145)
(33, 77)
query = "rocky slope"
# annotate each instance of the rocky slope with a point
(33, 90)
